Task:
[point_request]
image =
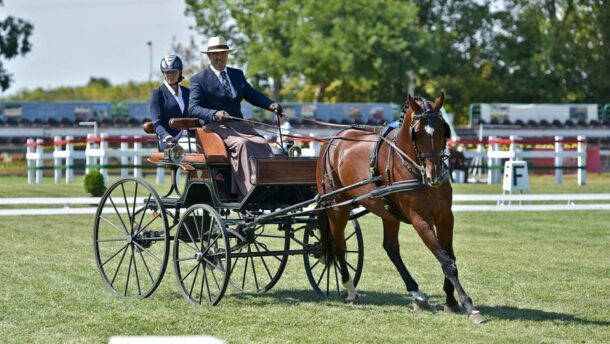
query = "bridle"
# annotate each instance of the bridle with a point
(420, 156)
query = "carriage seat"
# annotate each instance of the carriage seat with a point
(210, 146)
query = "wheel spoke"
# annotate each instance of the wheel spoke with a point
(148, 252)
(207, 286)
(350, 266)
(146, 226)
(135, 194)
(143, 212)
(315, 264)
(111, 240)
(243, 281)
(322, 275)
(114, 255)
(124, 231)
(194, 249)
(188, 231)
(194, 279)
(336, 278)
(135, 269)
(146, 266)
(120, 263)
(128, 271)
(189, 273)
(127, 208)
(263, 260)
(185, 259)
(254, 273)
(198, 231)
(351, 235)
(118, 214)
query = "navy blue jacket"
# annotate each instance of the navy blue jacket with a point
(163, 107)
(209, 96)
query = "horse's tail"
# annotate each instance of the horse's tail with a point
(328, 252)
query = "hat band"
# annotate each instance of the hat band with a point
(214, 47)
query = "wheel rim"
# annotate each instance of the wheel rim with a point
(202, 259)
(131, 239)
(258, 263)
(325, 278)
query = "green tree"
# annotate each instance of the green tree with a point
(366, 47)
(262, 31)
(356, 44)
(14, 40)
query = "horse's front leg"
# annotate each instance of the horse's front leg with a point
(392, 248)
(426, 233)
(444, 232)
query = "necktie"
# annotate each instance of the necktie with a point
(225, 84)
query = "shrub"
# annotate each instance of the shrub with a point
(94, 183)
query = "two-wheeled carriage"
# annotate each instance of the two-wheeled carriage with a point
(217, 240)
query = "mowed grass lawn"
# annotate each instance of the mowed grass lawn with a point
(538, 277)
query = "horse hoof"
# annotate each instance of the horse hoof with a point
(476, 318)
(453, 309)
(354, 301)
(421, 305)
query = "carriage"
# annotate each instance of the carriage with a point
(298, 206)
(217, 241)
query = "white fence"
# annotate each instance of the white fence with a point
(494, 154)
(527, 202)
(96, 154)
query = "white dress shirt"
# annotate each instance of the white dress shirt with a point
(217, 72)
(178, 96)
(180, 101)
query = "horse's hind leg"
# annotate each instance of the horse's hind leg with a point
(392, 248)
(338, 218)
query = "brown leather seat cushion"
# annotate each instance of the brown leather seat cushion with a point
(188, 157)
(214, 147)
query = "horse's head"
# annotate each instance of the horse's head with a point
(428, 133)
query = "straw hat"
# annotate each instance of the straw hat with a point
(217, 44)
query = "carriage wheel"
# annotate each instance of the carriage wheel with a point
(325, 278)
(258, 262)
(202, 259)
(131, 238)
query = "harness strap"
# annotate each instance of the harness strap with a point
(373, 159)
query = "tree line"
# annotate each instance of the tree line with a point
(550, 51)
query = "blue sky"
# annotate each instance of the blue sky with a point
(76, 39)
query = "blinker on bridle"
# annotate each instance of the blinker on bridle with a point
(429, 114)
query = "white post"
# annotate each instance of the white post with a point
(57, 161)
(30, 151)
(493, 172)
(124, 157)
(160, 174)
(558, 159)
(582, 160)
(104, 157)
(69, 159)
(137, 158)
(89, 160)
(513, 148)
(39, 161)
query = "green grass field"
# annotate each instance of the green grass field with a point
(538, 277)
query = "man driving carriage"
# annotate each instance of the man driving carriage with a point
(215, 97)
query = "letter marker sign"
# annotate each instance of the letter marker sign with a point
(515, 176)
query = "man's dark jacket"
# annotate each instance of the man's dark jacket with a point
(208, 95)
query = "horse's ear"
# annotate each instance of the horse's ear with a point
(413, 104)
(438, 103)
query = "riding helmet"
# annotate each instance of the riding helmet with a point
(171, 63)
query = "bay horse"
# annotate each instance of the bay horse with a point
(414, 151)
